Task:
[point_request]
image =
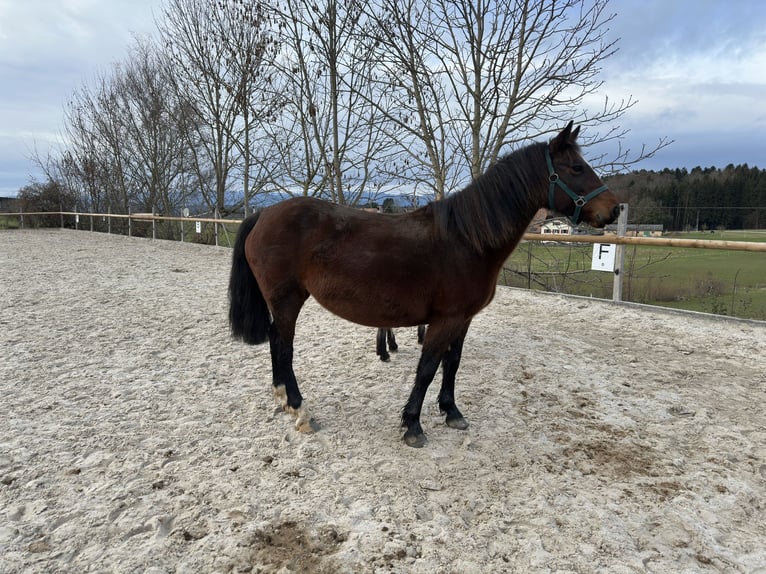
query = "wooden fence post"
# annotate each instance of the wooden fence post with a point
(215, 228)
(619, 263)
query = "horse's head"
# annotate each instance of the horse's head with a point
(574, 188)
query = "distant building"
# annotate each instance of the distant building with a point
(544, 223)
(557, 226)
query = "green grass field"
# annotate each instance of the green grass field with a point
(711, 281)
(9, 221)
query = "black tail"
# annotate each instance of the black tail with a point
(249, 316)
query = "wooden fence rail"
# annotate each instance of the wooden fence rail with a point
(617, 240)
(653, 241)
(606, 238)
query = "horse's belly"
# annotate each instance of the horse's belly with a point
(371, 305)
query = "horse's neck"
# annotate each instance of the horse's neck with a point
(513, 238)
(522, 220)
(493, 212)
(525, 195)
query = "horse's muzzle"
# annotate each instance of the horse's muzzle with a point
(602, 219)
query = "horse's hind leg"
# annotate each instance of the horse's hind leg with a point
(281, 368)
(391, 340)
(281, 336)
(380, 345)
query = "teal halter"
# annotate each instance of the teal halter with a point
(579, 200)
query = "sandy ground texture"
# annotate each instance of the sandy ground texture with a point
(135, 436)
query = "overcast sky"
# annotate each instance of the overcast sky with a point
(696, 67)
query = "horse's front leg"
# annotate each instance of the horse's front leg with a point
(441, 339)
(447, 405)
(427, 366)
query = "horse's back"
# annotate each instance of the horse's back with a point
(369, 268)
(306, 219)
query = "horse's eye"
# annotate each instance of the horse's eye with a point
(578, 168)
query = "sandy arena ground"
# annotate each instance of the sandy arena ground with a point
(135, 436)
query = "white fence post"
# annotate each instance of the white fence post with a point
(619, 264)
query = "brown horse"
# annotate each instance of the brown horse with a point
(386, 336)
(437, 265)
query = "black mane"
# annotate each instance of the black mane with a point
(496, 208)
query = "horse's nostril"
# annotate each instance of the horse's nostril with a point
(616, 212)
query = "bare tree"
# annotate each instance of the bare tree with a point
(249, 47)
(473, 77)
(221, 52)
(204, 78)
(330, 135)
(414, 99)
(337, 99)
(154, 122)
(90, 165)
(123, 148)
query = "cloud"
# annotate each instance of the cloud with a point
(697, 72)
(76, 31)
(48, 49)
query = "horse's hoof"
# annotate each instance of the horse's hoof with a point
(393, 348)
(304, 422)
(385, 358)
(415, 440)
(457, 423)
(307, 427)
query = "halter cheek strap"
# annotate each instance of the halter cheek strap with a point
(579, 200)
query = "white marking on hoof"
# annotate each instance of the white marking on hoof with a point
(303, 421)
(280, 397)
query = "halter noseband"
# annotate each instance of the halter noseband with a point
(579, 200)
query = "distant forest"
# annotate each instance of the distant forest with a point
(700, 199)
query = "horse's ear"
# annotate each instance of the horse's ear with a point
(566, 138)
